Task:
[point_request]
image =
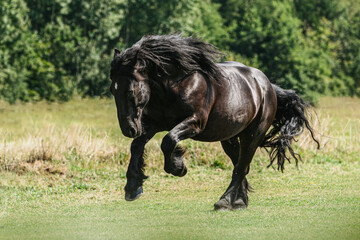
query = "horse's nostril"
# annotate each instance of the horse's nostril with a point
(132, 131)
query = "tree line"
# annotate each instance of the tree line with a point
(56, 49)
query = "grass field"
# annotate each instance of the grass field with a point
(62, 173)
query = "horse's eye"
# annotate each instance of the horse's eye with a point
(130, 94)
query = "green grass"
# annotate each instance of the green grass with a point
(62, 173)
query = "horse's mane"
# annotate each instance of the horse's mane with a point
(185, 53)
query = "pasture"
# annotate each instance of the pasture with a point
(62, 173)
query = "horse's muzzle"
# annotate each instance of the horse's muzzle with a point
(130, 129)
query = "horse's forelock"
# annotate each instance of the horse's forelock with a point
(124, 62)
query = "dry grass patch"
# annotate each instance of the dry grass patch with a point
(53, 138)
(52, 149)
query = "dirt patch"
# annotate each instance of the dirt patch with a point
(43, 154)
(38, 167)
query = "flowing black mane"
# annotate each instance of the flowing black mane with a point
(187, 54)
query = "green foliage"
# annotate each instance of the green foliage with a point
(312, 12)
(347, 31)
(190, 17)
(13, 54)
(299, 45)
(267, 31)
(55, 49)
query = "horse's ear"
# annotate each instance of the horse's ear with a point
(116, 52)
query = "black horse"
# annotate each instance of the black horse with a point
(171, 83)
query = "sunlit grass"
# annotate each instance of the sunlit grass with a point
(62, 173)
(86, 130)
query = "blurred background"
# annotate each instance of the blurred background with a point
(63, 159)
(58, 49)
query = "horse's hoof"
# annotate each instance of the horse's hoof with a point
(134, 195)
(239, 204)
(222, 205)
(178, 172)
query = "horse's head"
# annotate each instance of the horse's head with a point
(131, 91)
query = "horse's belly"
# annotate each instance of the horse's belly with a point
(220, 128)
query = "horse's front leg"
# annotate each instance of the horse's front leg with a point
(173, 154)
(135, 173)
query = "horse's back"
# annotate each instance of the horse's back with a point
(245, 73)
(240, 96)
(238, 74)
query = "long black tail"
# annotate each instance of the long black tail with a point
(289, 122)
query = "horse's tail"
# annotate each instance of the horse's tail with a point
(289, 122)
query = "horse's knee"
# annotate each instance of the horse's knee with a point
(168, 144)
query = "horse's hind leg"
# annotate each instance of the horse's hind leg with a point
(235, 196)
(232, 149)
